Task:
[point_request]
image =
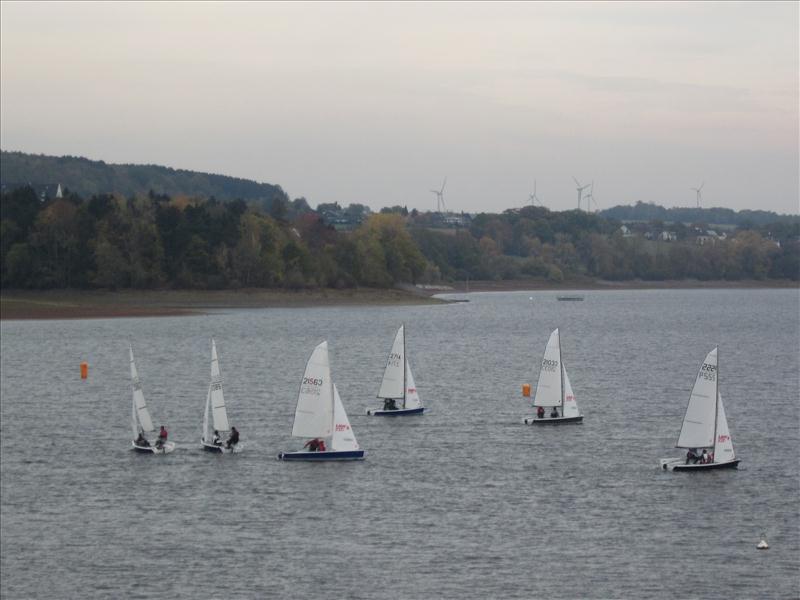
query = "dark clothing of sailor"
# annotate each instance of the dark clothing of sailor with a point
(389, 404)
(540, 412)
(312, 445)
(162, 437)
(233, 439)
(554, 413)
(142, 441)
(216, 440)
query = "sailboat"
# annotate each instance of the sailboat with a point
(320, 415)
(705, 427)
(215, 404)
(140, 418)
(398, 383)
(553, 390)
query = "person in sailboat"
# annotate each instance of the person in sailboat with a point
(540, 412)
(704, 457)
(389, 404)
(233, 439)
(141, 440)
(162, 437)
(554, 413)
(216, 440)
(691, 455)
(312, 445)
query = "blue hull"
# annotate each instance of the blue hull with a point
(553, 420)
(322, 456)
(400, 412)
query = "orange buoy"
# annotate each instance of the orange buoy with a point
(84, 370)
(526, 390)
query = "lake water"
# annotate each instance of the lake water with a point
(463, 502)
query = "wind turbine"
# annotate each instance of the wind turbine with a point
(697, 191)
(580, 191)
(533, 198)
(590, 198)
(440, 196)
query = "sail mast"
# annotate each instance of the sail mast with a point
(716, 405)
(561, 366)
(405, 383)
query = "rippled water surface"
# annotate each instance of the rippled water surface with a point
(463, 502)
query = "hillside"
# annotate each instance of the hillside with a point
(644, 211)
(90, 177)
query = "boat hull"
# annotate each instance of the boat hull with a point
(328, 455)
(165, 449)
(678, 464)
(220, 449)
(553, 420)
(400, 412)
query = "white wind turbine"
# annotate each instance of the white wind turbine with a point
(440, 196)
(580, 191)
(699, 195)
(590, 198)
(533, 198)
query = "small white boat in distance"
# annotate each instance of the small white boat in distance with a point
(554, 397)
(398, 383)
(215, 404)
(705, 430)
(140, 419)
(320, 415)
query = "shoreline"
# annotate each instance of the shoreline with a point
(97, 304)
(76, 304)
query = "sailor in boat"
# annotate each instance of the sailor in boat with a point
(141, 440)
(315, 445)
(704, 459)
(233, 439)
(162, 437)
(216, 439)
(691, 455)
(554, 413)
(389, 404)
(540, 412)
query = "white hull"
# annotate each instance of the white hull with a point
(220, 449)
(165, 449)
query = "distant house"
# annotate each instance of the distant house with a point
(625, 231)
(668, 236)
(44, 191)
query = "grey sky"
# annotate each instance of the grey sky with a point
(376, 102)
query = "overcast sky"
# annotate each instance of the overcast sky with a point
(377, 102)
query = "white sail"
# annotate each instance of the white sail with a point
(548, 388)
(570, 405)
(343, 438)
(313, 416)
(393, 382)
(412, 396)
(218, 412)
(698, 422)
(723, 451)
(141, 414)
(205, 416)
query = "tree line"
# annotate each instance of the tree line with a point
(155, 241)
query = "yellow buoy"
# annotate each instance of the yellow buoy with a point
(526, 390)
(84, 370)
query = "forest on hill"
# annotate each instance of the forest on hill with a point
(91, 177)
(155, 240)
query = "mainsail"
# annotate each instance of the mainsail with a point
(393, 384)
(700, 418)
(549, 387)
(141, 416)
(313, 416)
(218, 412)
